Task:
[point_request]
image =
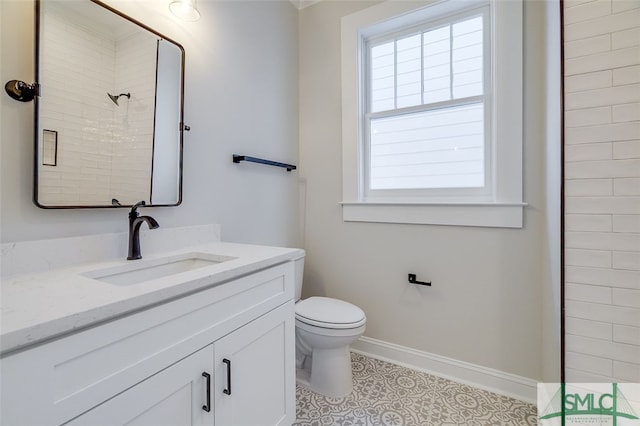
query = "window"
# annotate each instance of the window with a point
(431, 133)
(425, 96)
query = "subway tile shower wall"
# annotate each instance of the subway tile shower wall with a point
(602, 190)
(104, 150)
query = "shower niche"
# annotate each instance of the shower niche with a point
(111, 91)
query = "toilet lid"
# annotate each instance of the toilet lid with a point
(330, 313)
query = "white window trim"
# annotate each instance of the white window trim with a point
(506, 208)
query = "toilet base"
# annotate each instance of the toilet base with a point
(330, 373)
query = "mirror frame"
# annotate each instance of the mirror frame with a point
(36, 114)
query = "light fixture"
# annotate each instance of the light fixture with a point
(185, 10)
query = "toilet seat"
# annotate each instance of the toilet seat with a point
(330, 313)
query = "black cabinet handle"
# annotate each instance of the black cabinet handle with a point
(207, 407)
(228, 389)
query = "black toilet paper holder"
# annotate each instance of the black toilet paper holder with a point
(413, 280)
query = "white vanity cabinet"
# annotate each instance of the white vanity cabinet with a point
(147, 368)
(254, 380)
(173, 396)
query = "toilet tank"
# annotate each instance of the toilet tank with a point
(299, 272)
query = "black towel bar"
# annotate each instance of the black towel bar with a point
(238, 158)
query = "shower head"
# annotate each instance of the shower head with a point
(114, 98)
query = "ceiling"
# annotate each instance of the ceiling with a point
(301, 4)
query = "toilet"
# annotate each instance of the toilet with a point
(325, 329)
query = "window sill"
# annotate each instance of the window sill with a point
(497, 215)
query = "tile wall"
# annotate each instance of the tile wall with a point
(104, 150)
(135, 72)
(602, 190)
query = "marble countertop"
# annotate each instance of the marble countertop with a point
(40, 306)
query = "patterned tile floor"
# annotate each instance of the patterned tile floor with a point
(386, 394)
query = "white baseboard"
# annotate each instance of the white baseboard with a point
(507, 384)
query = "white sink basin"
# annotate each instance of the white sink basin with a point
(139, 271)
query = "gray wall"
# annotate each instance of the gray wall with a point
(493, 289)
(241, 97)
(548, 62)
(487, 303)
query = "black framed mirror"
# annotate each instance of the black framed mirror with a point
(109, 111)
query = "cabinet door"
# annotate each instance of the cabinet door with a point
(173, 396)
(255, 372)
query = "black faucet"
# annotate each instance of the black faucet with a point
(135, 220)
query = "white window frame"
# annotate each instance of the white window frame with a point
(502, 205)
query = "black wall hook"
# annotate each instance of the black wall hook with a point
(21, 91)
(413, 280)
